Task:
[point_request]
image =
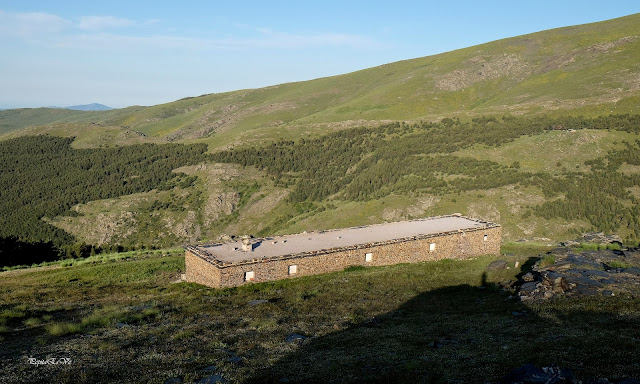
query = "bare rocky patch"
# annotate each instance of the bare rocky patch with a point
(561, 272)
(415, 210)
(481, 68)
(100, 228)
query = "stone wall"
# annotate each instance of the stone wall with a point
(201, 268)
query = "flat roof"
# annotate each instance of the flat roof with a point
(339, 238)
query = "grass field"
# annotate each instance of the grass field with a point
(125, 321)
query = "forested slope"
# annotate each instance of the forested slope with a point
(43, 176)
(418, 159)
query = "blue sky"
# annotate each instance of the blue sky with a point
(122, 53)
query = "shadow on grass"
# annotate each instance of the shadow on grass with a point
(465, 334)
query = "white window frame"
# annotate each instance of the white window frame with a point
(368, 257)
(249, 276)
(293, 269)
(432, 247)
(485, 238)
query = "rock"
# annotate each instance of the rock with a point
(600, 238)
(559, 285)
(529, 287)
(174, 380)
(582, 261)
(497, 265)
(212, 380)
(581, 274)
(211, 368)
(530, 374)
(594, 272)
(256, 302)
(295, 338)
(236, 360)
(559, 251)
(583, 281)
(561, 266)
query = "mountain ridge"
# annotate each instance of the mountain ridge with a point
(89, 107)
(586, 69)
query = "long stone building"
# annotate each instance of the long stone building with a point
(229, 264)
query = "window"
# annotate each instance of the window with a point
(249, 276)
(486, 237)
(293, 269)
(432, 246)
(368, 257)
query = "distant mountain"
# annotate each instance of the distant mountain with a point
(89, 107)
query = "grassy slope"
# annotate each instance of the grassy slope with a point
(588, 69)
(125, 322)
(565, 71)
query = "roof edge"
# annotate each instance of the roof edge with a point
(198, 251)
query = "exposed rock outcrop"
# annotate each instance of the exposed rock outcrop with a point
(563, 273)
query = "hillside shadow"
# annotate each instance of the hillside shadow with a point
(462, 334)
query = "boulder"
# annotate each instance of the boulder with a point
(497, 265)
(295, 338)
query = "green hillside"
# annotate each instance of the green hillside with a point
(589, 69)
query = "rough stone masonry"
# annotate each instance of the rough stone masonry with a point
(233, 263)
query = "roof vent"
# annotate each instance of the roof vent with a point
(246, 245)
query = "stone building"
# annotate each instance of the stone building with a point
(233, 263)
